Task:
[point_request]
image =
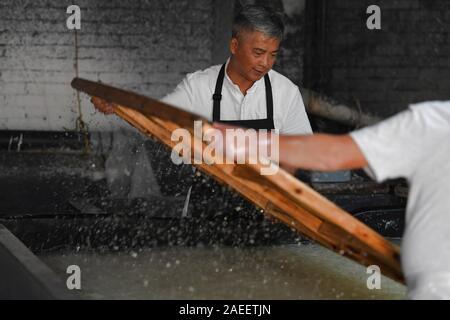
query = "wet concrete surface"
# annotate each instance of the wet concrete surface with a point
(269, 272)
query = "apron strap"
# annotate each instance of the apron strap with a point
(217, 96)
(269, 98)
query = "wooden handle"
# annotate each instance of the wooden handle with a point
(146, 106)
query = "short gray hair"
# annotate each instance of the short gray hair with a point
(259, 18)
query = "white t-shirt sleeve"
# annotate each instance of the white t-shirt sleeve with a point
(182, 96)
(394, 147)
(295, 119)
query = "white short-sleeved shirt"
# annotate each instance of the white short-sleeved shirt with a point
(415, 144)
(194, 94)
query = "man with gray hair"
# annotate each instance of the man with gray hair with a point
(244, 91)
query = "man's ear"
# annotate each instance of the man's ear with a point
(234, 43)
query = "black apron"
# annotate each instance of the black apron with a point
(253, 124)
(199, 183)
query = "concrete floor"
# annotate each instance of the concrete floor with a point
(305, 271)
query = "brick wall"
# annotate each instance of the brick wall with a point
(291, 60)
(407, 61)
(149, 45)
(142, 45)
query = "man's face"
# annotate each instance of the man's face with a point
(254, 54)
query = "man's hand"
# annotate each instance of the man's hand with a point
(103, 105)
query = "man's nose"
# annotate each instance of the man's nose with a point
(265, 61)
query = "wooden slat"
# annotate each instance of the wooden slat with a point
(280, 195)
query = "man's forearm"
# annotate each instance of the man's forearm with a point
(321, 152)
